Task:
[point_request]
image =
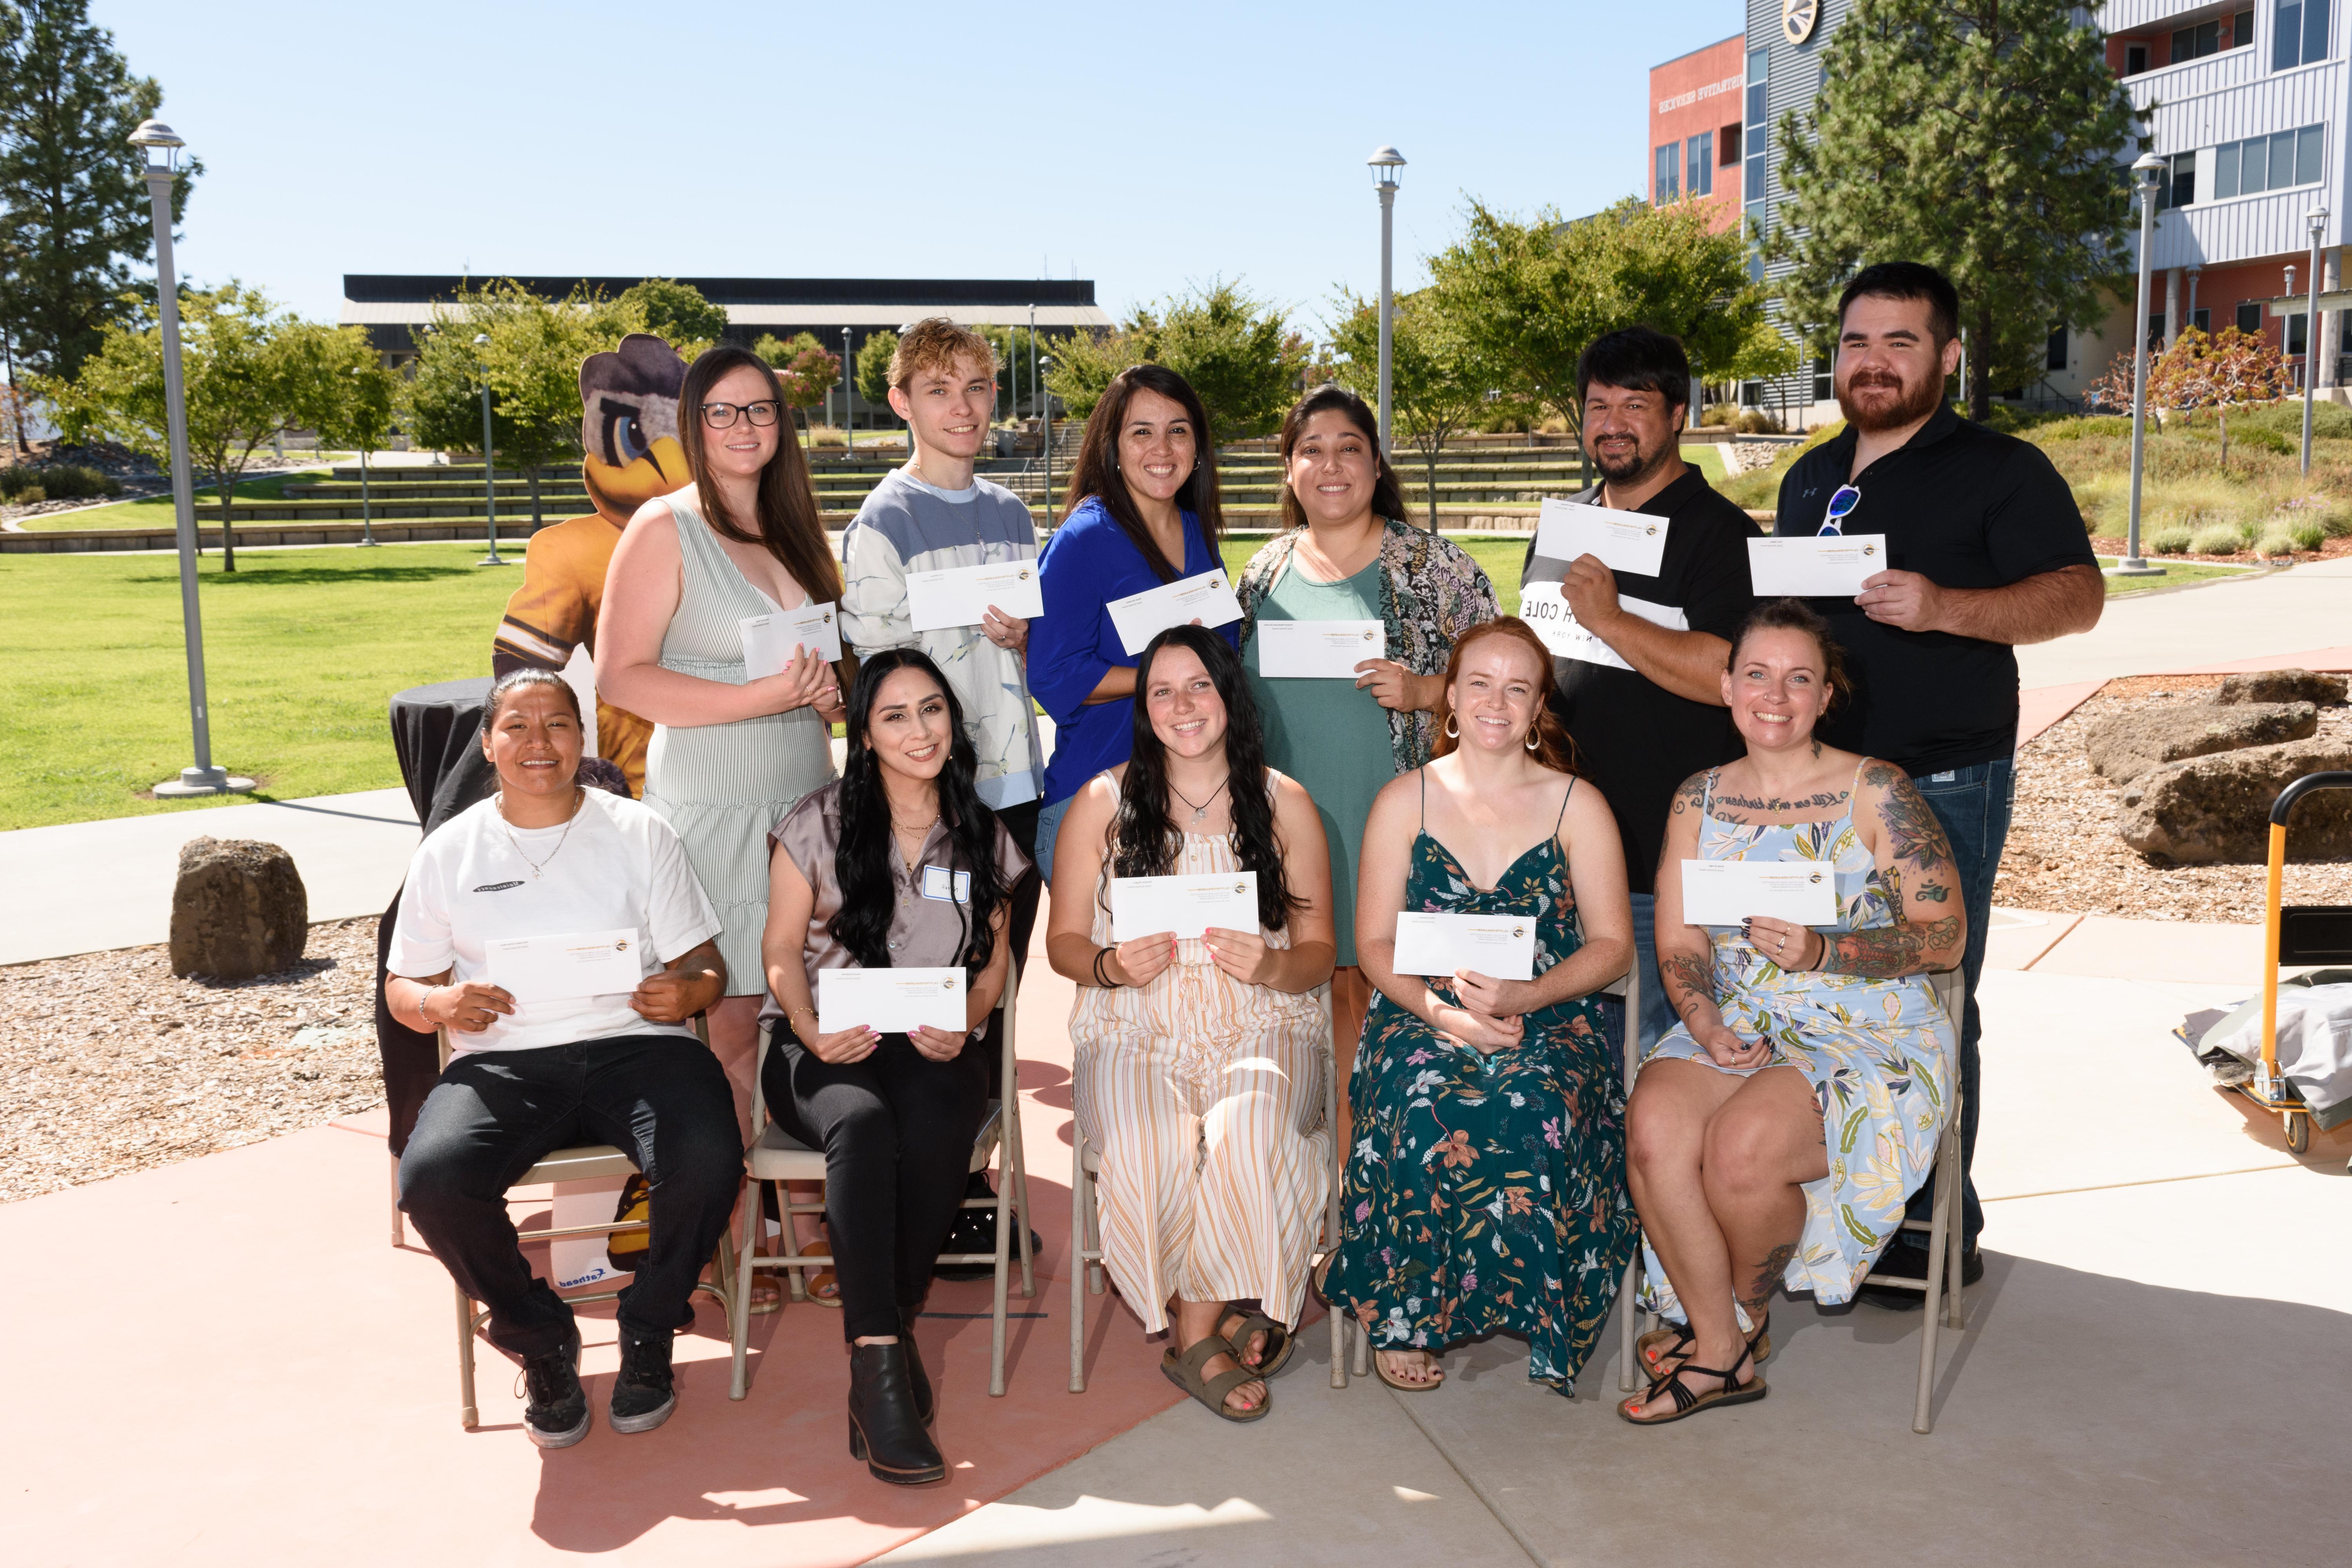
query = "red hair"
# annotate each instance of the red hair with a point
(1553, 747)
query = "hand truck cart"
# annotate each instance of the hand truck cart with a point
(2299, 934)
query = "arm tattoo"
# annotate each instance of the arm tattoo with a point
(1691, 795)
(1916, 843)
(1768, 1274)
(1689, 979)
(1934, 893)
(1890, 952)
(1913, 832)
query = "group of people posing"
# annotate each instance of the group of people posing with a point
(1794, 1078)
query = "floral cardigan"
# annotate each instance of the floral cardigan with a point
(1430, 593)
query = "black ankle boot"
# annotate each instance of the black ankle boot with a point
(917, 1379)
(884, 1429)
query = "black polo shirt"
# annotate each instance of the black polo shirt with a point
(1636, 740)
(1964, 507)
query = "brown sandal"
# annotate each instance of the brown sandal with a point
(1279, 1341)
(1689, 1403)
(1184, 1372)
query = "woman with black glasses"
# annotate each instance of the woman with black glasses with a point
(729, 754)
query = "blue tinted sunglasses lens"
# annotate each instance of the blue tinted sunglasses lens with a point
(1846, 498)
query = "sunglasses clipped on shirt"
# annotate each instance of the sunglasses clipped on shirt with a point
(1843, 501)
(721, 416)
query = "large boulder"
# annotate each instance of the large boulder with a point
(2125, 746)
(2281, 686)
(2216, 809)
(237, 911)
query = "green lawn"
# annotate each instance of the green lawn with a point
(2175, 572)
(304, 649)
(1708, 460)
(155, 512)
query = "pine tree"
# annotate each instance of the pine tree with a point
(1987, 137)
(73, 202)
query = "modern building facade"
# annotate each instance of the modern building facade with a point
(1696, 128)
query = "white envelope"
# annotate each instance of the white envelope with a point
(889, 1001)
(1500, 947)
(1185, 905)
(769, 640)
(1139, 617)
(1317, 651)
(1631, 541)
(567, 966)
(1543, 606)
(1823, 566)
(1726, 892)
(958, 596)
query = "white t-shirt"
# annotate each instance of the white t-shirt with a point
(623, 867)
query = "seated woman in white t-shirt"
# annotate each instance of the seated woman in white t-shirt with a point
(546, 858)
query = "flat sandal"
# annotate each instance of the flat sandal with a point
(1688, 1404)
(1680, 1336)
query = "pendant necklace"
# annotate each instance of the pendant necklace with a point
(1200, 810)
(578, 799)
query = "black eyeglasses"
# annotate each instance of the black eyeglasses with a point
(721, 416)
(1842, 502)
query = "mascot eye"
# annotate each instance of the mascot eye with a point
(625, 439)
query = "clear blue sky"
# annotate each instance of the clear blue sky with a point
(1148, 148)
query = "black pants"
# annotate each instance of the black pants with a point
(1021, 821)
(896, 1131)
(660, 1098)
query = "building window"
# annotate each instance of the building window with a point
(2242, 31)
(1726, 146)
(2294, 334)
(1824, 383)
(2274, 163)
(1754, 192)
(1759, 66)
(2135, 58)
(2181, 191)
(2201, 318)
(2156, 333)
(1698, 164)
(2194, 43)
(1665, 191)
(2250, 316)
(2055, 358)
(2299, 33)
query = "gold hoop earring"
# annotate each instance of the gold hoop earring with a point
(1452, 732)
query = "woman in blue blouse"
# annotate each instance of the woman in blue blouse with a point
(1147, 514)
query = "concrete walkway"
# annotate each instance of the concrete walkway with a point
(2271, 618)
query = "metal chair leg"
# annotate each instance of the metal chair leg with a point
(739, 1321)
(1081, 1199)
(399, 1231)
(1939, 1219)
(467, 1415)
(1629, 1330)
(1019, 1163)
(1003, 1268)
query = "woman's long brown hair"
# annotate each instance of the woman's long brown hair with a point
(788, 526)
(1554, 749)
(1098, 476)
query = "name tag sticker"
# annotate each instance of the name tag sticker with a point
(936, 885)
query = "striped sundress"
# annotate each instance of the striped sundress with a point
(1205, 1097)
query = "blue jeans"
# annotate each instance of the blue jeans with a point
(1973, 804)
(1657, 1016)
(1049, 828)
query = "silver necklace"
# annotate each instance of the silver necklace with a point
(578, 799)
(1201, 811)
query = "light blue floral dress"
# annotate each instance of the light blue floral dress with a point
(1876, 1051)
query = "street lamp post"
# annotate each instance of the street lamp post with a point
(1385, 163)
(849, 416)
(2149, 168)
(490, 469)
(162, 149)
(367, 524)
(2316, 221)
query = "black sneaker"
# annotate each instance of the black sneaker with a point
(1909, 1263)
(556, 1412)
(644, 1394)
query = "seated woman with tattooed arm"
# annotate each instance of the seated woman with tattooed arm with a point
(1774, 1134)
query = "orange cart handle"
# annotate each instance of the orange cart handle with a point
(2281, 809)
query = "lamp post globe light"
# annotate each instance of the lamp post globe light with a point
(2150, 170)
(2316, 221)
(1385, 163)
(490, 469)
(162, 148)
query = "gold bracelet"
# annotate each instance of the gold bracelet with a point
(796, 1012)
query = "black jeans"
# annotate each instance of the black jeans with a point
(896, 1131)
(1973, 804)
(661, 1099)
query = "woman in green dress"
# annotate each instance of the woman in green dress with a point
(1485, 1189)
(1346, 556)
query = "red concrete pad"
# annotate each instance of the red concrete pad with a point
(2043, 706)
(234, 1366)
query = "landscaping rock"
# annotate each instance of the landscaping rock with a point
(2282, 686)
(2125, 746)
(2216, 809)
(237, 911)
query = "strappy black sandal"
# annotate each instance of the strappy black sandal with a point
(1674, 1341)
(1689, 1403)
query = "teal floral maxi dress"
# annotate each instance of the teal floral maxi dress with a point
(1487, 1192)
(1876, 1051)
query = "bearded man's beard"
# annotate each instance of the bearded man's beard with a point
(1864, 399)
(1629, 463)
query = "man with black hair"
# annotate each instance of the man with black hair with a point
(1643, 696)
(1986, 549)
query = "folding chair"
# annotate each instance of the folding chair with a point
(776, 1156)
(1085, 1225)
(582, 1162)
(1942, 1286)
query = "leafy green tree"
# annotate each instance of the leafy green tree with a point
(358, 396)
(1084, 363)
(1014, 347)
(874, 369)
(677, 313)
(1437, 385)
(73, 198)
(1527, 296)
(804, 368)
(247, 370)
(2002, 169)
(1240, 355)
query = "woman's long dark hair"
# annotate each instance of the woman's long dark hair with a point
(1099, 475)
(861, 861)
(1388, 496)
(788, 526)
(1144, 841)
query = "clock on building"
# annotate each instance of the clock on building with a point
(1797, 19)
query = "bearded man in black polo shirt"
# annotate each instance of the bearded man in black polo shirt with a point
(1986, 550)
(1642, 695)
